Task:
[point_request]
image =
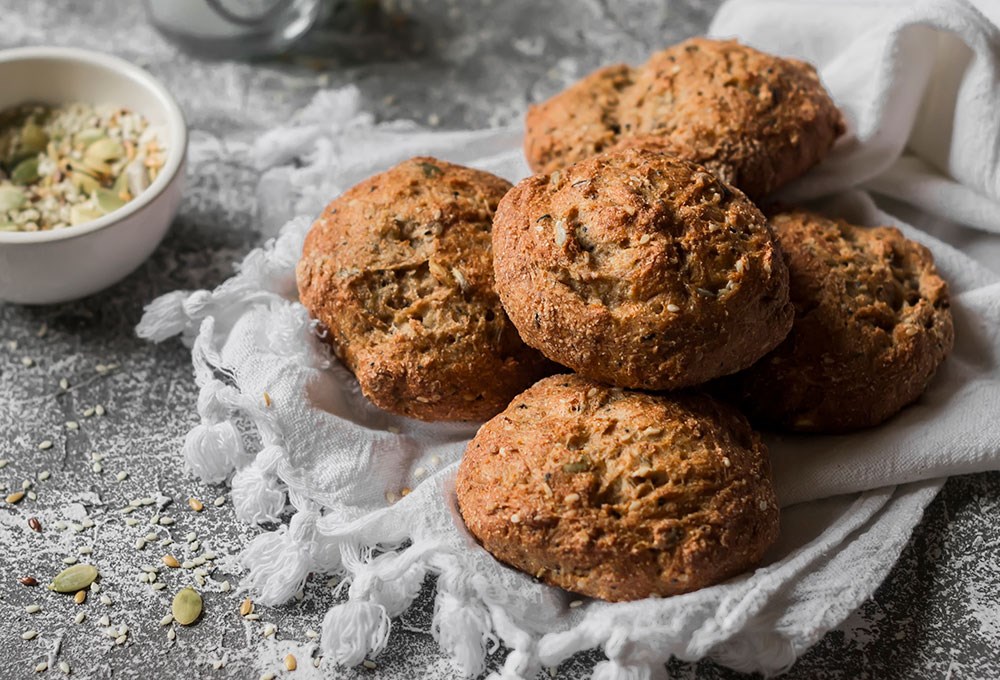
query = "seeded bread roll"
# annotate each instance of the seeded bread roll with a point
(641, 270)
(619, 495)
(399, 272)
(872, 325)
(756, 120)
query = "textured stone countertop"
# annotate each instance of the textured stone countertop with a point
(466, 63)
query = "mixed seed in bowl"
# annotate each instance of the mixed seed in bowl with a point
(66, 165)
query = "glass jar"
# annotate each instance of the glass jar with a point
(236, 28)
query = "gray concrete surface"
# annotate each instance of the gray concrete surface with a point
(458, 64)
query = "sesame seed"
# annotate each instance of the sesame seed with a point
(63, 384)
(27, 362)
(370, 665)
(33, 609)
(88, 412)
(167, 620)
(121, 476)
(32, 496)
(270, 630)
(673, 308)
(208, 555)
(105, 600)
(85, 550)
(3, 463)
(80, 597)
(104, 621)
(166, 521)
(726, 461)
(69, 560)
(225, 586)
(29, 635)
(95, 587)
(196, 504)
(26, 484)
(217, 664)
(97, 467)
(171, 634)
(42, 666)
(170, 561)
(252, 617)
(219, 502)
(159, 585)
(267, 676)
(515, 518)
(64, 667)
(72, 425)
(140, 543)
(45, 445)
(14, 497)
(99, 410)
(571, 498)
(419, 472)
(575, 603)
(188, 564)
(121, 639)
(311, 634)
(763, 505)
(44, 475)
(80, 617)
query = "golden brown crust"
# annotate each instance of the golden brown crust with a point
(619, 495)
(756, 120)
(399, 271)
(872, 325)
(640, 270)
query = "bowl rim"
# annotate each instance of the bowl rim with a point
(175, 123)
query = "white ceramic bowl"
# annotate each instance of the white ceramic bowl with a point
(44, 267)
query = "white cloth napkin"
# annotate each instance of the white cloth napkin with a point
(345, 465)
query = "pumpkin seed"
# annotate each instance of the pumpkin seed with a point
(33, 138)
(186, 607)
(81, 214)
(83, 182)
(11, 198)
(103, 151)
(26, 172)
(108, 201)
(88, 136)
(74, 578)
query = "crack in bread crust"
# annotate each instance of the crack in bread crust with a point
(756, 120)
(399, 272)
(619, 495)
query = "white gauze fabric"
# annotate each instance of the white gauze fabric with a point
(849, 502)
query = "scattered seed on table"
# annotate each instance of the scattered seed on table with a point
(27, 362)
(105, 600)
(80, 597)
(270, 629)
(95, 587)
(70, 560)
(267, 400)
(85, 550)
(80, 617)
(151, 536)
(29, 581)
(131, 521)
(159, 585)
(170, 561)
(45, 445)
(14, 497)
(167, 620)
(72, 425)
(171, 634)
(196, 504)
(42, 666)
(267, 676)
(166, 521)
(188, 564)
(3, 463)
(311, 634)
(220, 501)
(121, 639)
(217, 664)
(97, 467)
(99, 410)
(44, 475)
(63, 384)
(87, 412)
(25, 485)
(34, 524)
(140, 543)
(370, 665)
(225, 586)
(246, 607)
(32, 609)
(64, 667)
(29, 635)
(290, 662)
(104, 621)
